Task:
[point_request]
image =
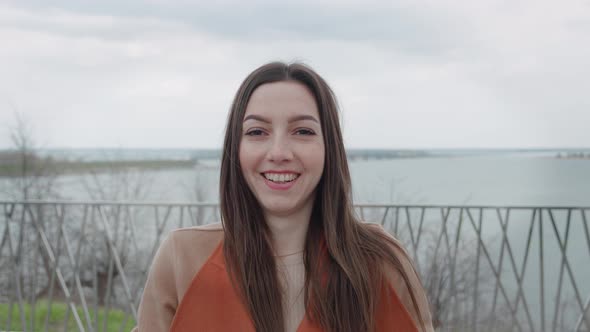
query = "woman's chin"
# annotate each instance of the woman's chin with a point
(281, 210)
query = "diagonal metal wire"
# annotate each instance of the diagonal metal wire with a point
(69, 235)
(496, 272)
(523, 266)
(474, 321)
(117, 261)
(53, 263)
(586, 309)
(565, 262)
(60, 216)
(74, 261)
(506, 243)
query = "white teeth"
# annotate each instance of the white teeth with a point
(281, 177)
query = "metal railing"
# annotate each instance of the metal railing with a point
(81, 266)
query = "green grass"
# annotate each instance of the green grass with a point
(115, 318)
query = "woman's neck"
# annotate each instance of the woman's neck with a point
(289, 232)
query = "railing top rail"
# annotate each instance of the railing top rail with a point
(106, 202)
(361, 204)
(475, 206)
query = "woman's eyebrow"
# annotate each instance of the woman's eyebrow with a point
(256, 118)
(303, 117)
(292, 119)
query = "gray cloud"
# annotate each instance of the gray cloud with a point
(407, 28)
(157, 74)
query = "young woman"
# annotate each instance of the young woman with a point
(289, 254)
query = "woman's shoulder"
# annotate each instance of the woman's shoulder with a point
(208, 228)
(194, 245)
(395, 244)
(402, 287)
(179, 258)
(200, 237)
(396, 247)
(378, 228)
(186, 250)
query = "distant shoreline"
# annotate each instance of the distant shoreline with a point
(578, 155)
(82, 161)
(47, 166)
(142, 154)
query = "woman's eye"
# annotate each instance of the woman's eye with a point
(254, 132)
(306, 132)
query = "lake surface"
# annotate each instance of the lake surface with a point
(483, 180)
(490, 180)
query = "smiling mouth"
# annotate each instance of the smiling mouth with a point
(280, 178)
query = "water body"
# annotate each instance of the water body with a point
(476, 179)
(484, 179)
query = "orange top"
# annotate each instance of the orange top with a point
(188, 289)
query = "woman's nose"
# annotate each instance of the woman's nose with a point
(280, 150)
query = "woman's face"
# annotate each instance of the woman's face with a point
(282, 147)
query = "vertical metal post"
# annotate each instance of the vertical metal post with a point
(541, 272)
(476, 286)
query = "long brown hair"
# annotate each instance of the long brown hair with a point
(342, 259)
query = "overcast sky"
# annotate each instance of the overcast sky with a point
(408, 74)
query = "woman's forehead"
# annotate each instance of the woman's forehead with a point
(288, 97)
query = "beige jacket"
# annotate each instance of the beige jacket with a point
(185, 251)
